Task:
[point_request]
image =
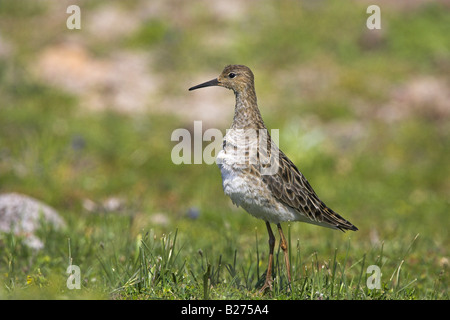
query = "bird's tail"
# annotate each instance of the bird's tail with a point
(337, 221)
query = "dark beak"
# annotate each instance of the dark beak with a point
(213, 82)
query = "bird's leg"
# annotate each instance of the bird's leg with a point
(284, 247)
(268, 282)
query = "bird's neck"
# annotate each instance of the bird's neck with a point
(246, 111)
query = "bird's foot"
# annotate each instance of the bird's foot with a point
(267, 284)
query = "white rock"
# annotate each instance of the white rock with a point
(22, 215)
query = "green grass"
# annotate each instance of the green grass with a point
(168, 266)
(389, 179)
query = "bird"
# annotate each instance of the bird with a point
(258, 176)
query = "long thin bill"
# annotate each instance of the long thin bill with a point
(213, 82)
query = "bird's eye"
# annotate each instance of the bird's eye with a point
(231, 75)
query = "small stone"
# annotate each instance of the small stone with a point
(22, 215)
(193, 213)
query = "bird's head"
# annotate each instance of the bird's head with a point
(235, 77)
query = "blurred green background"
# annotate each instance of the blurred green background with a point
(86, 118)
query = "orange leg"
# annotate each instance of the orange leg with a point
(284, 247)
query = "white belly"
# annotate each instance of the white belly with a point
(250, 192)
